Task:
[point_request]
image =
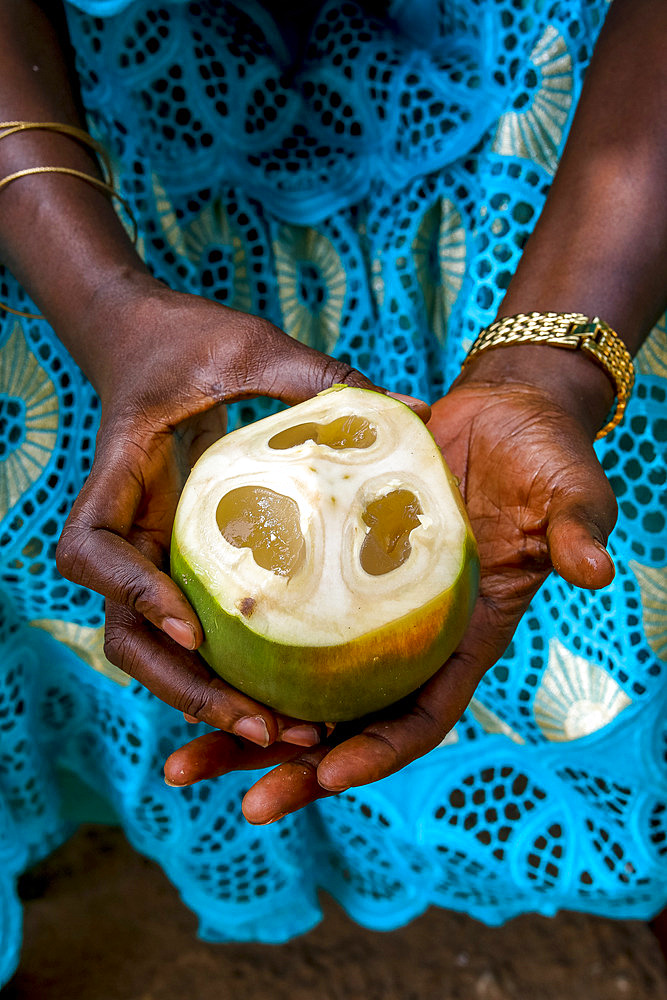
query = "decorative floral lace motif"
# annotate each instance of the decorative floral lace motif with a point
(373, 199)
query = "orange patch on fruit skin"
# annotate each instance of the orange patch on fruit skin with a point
(338, 682)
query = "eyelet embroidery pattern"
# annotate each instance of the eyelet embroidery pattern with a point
(374, 203)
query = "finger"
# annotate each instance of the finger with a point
(422, 409)
(218, 753)
(294, 372)
(302, 734)
(327, 373)
(580, 521)
(384, 746)
(182, 679)
(95, 550)
(265, 361)
(577, 554)
(139, 650)
(388, 744)
(289, 787)
(286, 369)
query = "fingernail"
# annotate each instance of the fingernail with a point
(418, 405)
(333, 788)
(253, 728)
(402, 398)
(180, 631)
(274, 819)
(172, 784)
(303, 736)
(601, 547)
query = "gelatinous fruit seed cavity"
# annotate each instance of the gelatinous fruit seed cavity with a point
(266, 522)
(345, 432)
(390, 519)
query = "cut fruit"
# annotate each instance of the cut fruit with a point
(327, 552)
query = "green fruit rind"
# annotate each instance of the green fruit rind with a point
(342, 682)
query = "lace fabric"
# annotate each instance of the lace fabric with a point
(372, 199)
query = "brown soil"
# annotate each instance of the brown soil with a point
(102, 923)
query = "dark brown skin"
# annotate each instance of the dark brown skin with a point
(516, 427)
(537, 497)
(162, 362)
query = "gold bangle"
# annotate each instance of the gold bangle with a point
(12, 128)
(573, 331)
(106, 185)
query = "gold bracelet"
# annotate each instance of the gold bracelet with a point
(575, 332)
(107, 186)
(11, 128)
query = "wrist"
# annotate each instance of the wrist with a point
(568, 379)
(107, 329)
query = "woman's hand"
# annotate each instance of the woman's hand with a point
(177, 359)
(537, 499)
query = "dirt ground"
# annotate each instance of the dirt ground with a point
(102, 923)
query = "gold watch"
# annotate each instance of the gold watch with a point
(575, 332)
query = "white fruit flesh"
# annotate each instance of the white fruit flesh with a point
(314, 530)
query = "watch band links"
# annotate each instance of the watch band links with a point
(574, 332)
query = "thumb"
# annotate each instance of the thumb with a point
(294, 372)
(580, 521)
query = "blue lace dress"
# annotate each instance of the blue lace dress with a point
(369, 190)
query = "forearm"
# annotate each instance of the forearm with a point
(600, 245)
(59, 236)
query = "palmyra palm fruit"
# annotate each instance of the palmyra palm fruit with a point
(327, 552)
